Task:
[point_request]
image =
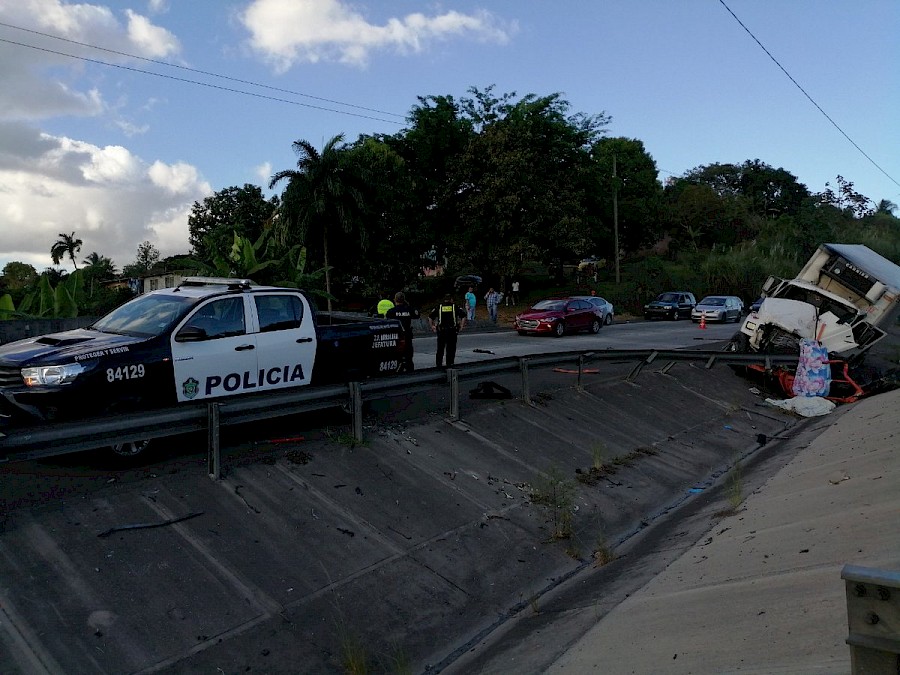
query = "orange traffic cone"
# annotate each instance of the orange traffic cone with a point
(703, 321)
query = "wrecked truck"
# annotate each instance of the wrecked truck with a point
(844, 297)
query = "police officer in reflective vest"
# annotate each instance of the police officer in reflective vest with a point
(447, 319)
(383, 306)
(405, 314)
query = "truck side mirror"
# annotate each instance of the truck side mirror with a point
(190, 334)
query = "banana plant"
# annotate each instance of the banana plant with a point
(48, 302)
(295, 262)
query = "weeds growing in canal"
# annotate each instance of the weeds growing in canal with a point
(557, 496)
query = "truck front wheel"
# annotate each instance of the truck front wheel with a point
(739, 344)
(130, 448)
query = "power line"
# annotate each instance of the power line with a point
(835, 124)
(197, 82)
(195, 70)
(198, 71)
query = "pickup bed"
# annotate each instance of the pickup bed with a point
(206, 339)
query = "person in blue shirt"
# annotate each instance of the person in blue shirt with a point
(470, 304)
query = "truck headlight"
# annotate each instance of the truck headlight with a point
(50, 375)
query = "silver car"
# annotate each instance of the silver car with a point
(722, 308)
(603, 308)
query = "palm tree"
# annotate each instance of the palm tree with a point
(886, 206)
(324, 190)
(67, 244)
(103, 267)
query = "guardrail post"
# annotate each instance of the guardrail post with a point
(526, 390)
(453, 378)
(873, 615)
(356, 410)
(213, 456)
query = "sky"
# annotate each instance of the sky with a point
(116, 117)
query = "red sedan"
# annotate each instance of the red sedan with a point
(558, 317)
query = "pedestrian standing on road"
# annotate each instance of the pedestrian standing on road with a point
(470, 304)
(404, 314)
(514, 294)
(492, 298)
(446, 320)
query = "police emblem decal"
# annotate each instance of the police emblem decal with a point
(190, 387)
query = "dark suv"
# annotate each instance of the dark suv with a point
(670, 305)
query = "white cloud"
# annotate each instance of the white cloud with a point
(158, 6)
(152, 41)
(27, 94)
(130, 129)
(176, 179)
(264, 172)
(109, 197)
(310, 30)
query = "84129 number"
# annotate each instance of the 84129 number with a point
(132, 372)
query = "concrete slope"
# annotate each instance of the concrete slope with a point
(760, 591)
(404, 553)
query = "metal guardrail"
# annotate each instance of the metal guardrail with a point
(873, 618)
(58, 439)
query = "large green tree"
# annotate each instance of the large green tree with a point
(323, 199)
(637, 192)
(146, 258)
(17, 279)
(431, 148)
(18, 275)
(213, 223)
(66, 245)
(522, 182)
(396, 236)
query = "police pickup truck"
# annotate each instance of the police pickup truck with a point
(205, 339)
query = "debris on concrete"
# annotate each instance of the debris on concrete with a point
(490, 390)
(805, 406)
(145, 526)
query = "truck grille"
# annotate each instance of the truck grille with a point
(10, 376)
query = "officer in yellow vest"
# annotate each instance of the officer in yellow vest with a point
(447, 319)
(383, 306)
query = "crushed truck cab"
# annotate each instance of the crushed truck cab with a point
(841, 297)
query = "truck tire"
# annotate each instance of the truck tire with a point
(130, 448)
(127, 449)
(739, 344)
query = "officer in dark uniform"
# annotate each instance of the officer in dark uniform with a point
(404, 314)
(447, 319)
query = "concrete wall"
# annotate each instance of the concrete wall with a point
(16, 330)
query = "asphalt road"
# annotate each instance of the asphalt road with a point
(637, 335)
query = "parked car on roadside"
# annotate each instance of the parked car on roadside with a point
(722, 308)
(670, 305)
(603, 307)
(558, 316)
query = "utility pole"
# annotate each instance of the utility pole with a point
(616, 217)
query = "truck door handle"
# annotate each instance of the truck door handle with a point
(301, 340)
(242, 348)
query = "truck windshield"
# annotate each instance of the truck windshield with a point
(844, 313)
(146, 316)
